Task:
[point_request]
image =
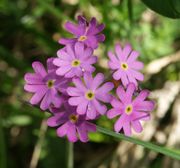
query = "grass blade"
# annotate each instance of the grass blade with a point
(156, 148)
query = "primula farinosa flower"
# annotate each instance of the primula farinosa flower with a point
(88, 95)
(125, 65)
(74, 60)
(45, 85)
(88, 33)
(131, 110)
(71, 124)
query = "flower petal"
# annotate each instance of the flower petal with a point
(71, 133)
(98, 79)
(137, 126)
(120, 123)
(114, 112)
(39, 68)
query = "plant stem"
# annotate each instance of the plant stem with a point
(156, 148)
(130, 11)
(2, 147)
(38, 146)
(70, 155)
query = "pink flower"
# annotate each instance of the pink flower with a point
(45, 85)
(88, 95)
(89, 34)
(125, 65)
(75, 60)
(131, 110)
(71, 124)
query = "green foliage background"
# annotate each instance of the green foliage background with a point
(29, 31)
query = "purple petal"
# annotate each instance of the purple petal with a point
(71, 133)
(142, 96)
(90, 127)
(120, 123)
(79, 84)
(137, 74)
(98, 79)
(88, 80)
(82, 107)
(31, 78)
(102, 92)
(62, 131)
(46, 100)
(137, 126)
(34, 88)
(39, 68)
(59, 62)
(74, 29)
(130, 91)
(66, 41)
(144, 106)
(99, 108)
(112, 57)
(79, 49)
(133, 56)
(82, 131)
(137, 65)
(116, 103)
(88, 68)
(56, 120)
(113, 65)
(50, 66)
(126, 51)
(70, 51)
(81, 20)
(91, 42)
(127, 129)
(63, 70)
(72, 91)
(91, 60)
(88, 52)
(100, 37)
(119, 52)
(38, 96)
(114, 112)
(132, 79)
(91, 111)
(74, 101)
(122, 95)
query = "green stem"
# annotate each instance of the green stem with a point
(2, 147)
(156, 148)
(130, 11)
(70, 155)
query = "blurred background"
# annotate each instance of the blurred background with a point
(29, 31)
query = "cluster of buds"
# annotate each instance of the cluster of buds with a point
(76, 96)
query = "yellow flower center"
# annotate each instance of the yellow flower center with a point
(50, 83)
(124, 66)
(129, 109)
(89, 95)
(75, 63)
(82, 38)
(73, 118)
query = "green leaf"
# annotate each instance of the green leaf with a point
(156, 148)
(2, 147)
(168, 8)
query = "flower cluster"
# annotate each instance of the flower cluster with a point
(75, 96)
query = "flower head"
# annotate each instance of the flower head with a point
(74, 60)
(46, 86)
(88, 96)
(88, 33)
(125, 65)
(71, 124)
(131, 110)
